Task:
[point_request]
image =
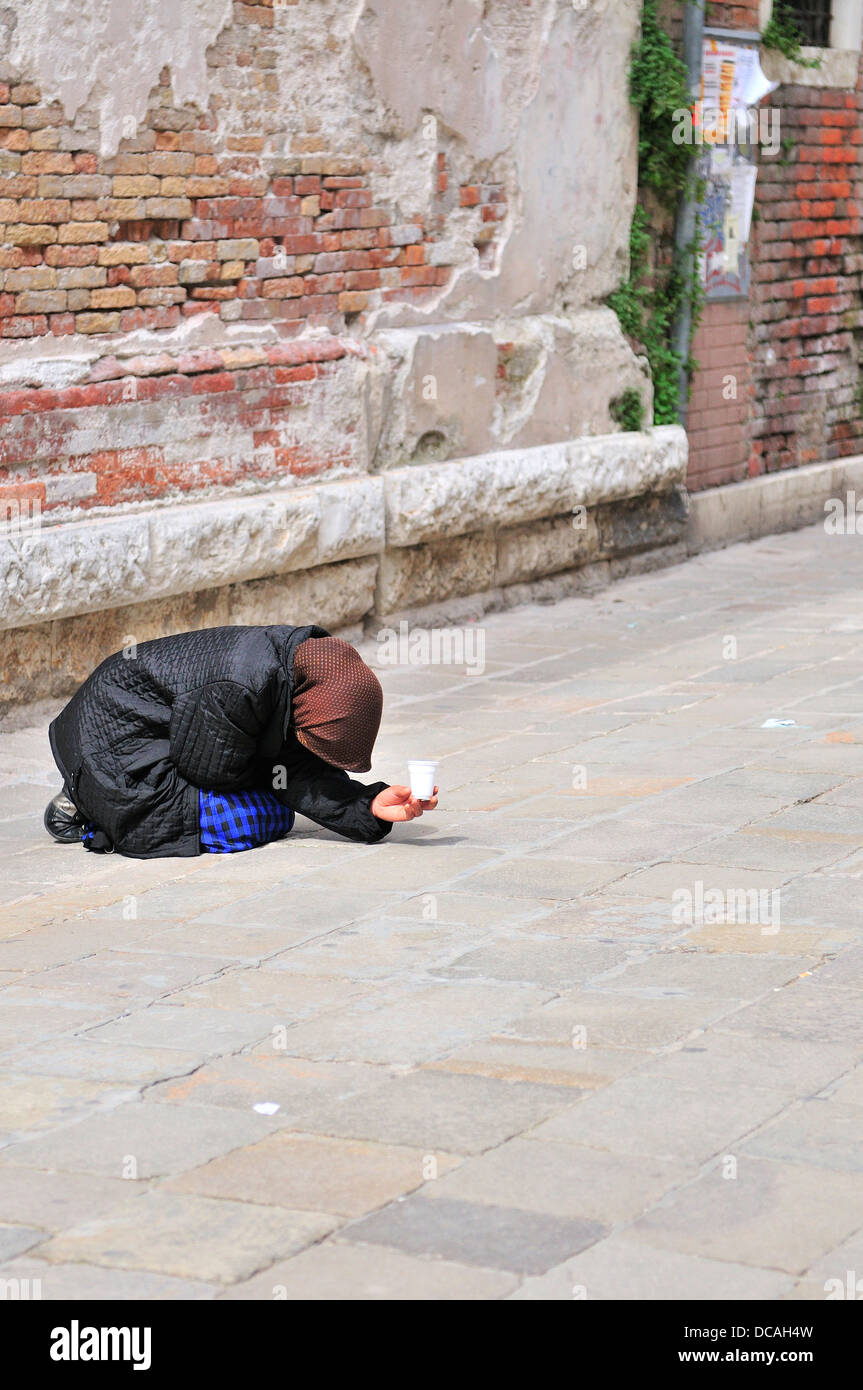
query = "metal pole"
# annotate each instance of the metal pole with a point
(684, 227)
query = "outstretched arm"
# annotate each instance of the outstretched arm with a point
(328, 796)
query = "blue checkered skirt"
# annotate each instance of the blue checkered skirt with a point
(233, 821)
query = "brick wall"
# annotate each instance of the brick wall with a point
(733, 16)
(794, 344)
(174, 226)
(128, 438)
(720, 406)
(806, 303)
(193, 218)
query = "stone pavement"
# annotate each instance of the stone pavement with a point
(593, 1029)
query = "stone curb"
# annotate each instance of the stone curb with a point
(95, 564)
(771, 503)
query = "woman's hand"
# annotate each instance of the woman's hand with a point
(397, 803)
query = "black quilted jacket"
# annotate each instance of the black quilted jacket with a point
(204, 710)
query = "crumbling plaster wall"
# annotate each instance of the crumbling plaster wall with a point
(417, 440)
(107, 54)
(531, 97)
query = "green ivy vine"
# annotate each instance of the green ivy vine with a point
(784, 34)
(660, 279)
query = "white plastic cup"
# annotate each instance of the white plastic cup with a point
(422, 774)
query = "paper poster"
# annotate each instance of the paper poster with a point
(718, 64)
(732, 83)
(725, 220)
(750, 83)
(743, 176)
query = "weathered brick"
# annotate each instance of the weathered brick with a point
(146, 276)
(30, 234)
(132, 319)
(12, 142)
(135, 185)
(192, 272)
(83, 277)
(71, 255)
(46, 139)
(34, 277)
(25, 94)
(10, 115)
(88, 210)
(218, 292)
(40, 302)
(47, 162)
(162, 296)
(178, 208)
(245, 249)
(97, 323)
(117, 297)
(283, 288)
(43, 210)
(352, 301)
(37, 118)
(123, 209)
(81, 232)
(166, 162)
(76, 186)
(20, 327)
(197, 187)
(19, 186)
(123, 164)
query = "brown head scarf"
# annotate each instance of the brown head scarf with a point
(337, 703)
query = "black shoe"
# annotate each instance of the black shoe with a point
(63, 820)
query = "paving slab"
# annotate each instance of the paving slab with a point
(210, 1031)
(197, 1238)
(823, 1132)
(526, 1242)
(756, 1211)
(456, 1113)
(307, 1172)
(55, 1200)
(662, 1118)
(139, 1140)
(562, 1178)
(90, 1282)
(335, 1272)
(420, 1024)
(623, 1269)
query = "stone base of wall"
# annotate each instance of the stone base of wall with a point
(771, 503)
(446, 580)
